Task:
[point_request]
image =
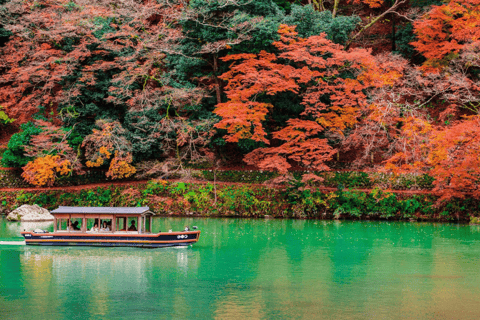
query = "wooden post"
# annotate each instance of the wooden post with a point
(54, 224)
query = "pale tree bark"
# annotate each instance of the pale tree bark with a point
(376, 19)
(217, 82)
(317, 4)
(335, 8)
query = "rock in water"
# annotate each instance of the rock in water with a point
(30, 213)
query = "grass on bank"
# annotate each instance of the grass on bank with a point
(294, 201)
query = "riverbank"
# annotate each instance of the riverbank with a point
(207, 199)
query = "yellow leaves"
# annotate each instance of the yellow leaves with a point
(104, 150)
(43, 171)
(415, 126)
(97, 163)
(120, 167)
(323, 122)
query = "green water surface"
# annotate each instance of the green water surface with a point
(252, 269)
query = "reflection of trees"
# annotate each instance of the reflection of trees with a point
(102, 282)
(243, 268)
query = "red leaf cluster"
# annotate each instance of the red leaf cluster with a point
(313, 68)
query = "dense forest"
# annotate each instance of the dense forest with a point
(147, 87)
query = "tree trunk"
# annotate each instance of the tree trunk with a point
(393, 33)
(335, 8)
(217, 82)
(375, 20)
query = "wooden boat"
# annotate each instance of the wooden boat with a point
(117, 227)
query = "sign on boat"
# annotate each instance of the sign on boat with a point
(107, 227)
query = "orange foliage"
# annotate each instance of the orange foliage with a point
(43, 171)
(37, 59)
(451, 155)
(370, 3)
(101, 144)
(312, 68)
(445, 30)
(120, 167)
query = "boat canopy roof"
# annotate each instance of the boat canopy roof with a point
(103, 210)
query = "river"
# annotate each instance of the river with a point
(261, 269)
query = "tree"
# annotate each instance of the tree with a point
(451, 155)
(446, 29)
(43, 170)
(397, 120)
(329, 79)
(102, 144)
(14, 156)
(53, 140)
(90, 60)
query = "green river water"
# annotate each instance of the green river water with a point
(252, 269)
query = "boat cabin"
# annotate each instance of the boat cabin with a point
(136, 220)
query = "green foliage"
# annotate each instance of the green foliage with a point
(310, 22)
(239, 176)
(380, 204)
(14, 156)
(285, 5)
(351, 203)
(297, 201)
(403, 37)
(347, 179)
(154, 187)
(101, 197)
(71, 6)
(144, 134)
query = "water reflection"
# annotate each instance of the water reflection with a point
(17, 227)
(255, 269)
(101, 282)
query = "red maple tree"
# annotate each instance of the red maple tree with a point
(314, 68)
(446, 29)
(55, 39)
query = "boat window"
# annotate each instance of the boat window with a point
(147, 224)
(105, 225)
(121, 223)
(91, 223)
(76, 224)
(132, 224)
(62, 224)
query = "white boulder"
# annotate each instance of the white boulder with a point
(28, 213)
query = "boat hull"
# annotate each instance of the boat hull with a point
(171, 239)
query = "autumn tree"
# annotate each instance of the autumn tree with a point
(449, 154)
(399, 116)
(444, 30)
(90, 60)
(109, 144)
(45, 170)
(52, 140)
(330, 80)
(50, 152)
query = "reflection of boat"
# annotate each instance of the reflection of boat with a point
(107, 227)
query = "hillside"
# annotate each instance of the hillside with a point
(146, 89)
